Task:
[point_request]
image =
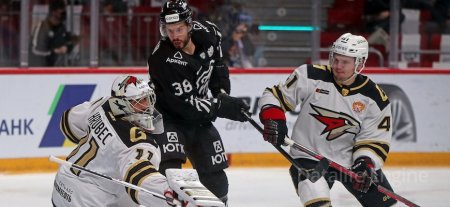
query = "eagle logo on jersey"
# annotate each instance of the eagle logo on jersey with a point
(337, 123)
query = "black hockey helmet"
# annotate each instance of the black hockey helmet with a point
(174, 11)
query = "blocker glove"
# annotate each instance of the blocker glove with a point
(230, 108)
(364, 167)
(274, 121)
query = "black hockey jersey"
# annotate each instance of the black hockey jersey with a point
(182, 81)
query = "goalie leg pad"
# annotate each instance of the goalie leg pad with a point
(217, 183)
(187, 185)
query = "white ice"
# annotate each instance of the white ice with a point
(255, 187)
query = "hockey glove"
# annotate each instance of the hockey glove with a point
(274, 121)
(367, 176)
(231, 108)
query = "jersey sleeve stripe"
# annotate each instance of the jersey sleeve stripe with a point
(318, 202)
(136, 174)
(65, 129)
(279, 95)
(380, 149)
(75, 151)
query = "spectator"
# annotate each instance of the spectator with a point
(112, 34)
(238, 48)
(377, 19)
(50, 40)
(9, 34)
(442, 8)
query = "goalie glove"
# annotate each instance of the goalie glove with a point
(364, 167)
(274, 121)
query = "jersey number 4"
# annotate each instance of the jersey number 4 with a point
(385, 123)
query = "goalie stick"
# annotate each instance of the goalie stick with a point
(338, 167)
(313, 175)
(120, 182)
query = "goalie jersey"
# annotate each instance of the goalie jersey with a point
(182, 81)
(110, 146)
(339, 122)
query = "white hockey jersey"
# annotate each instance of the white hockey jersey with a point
(110, 146)
(341, 123)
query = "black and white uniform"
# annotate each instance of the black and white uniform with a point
(339, 122)
(110, 146)
(182, 83)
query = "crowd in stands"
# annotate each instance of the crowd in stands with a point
(129, 30)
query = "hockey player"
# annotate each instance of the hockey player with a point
(115, 138)
(184, 66)
(343, 116)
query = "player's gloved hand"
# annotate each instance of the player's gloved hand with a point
(364, 167)
(274, 120)
(230, 108)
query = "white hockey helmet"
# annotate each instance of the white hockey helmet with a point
(134, 100)
(352, 46)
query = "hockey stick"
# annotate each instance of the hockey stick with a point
(318, 171)
(348, 172)
(120, 182)
(340, 168)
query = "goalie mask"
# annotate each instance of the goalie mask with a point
(351, 46)
(174, 11)
(134, 100)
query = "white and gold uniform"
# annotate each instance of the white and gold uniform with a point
(341, 123)
(111, 146)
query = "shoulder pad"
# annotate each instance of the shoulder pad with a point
(319, 72)
(376, 93)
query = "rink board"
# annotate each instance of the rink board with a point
(35, 98)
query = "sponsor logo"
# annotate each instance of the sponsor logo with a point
(63, 191)
(178, 55)
(66, 97)
(172, 18)
(218, 146)
(337, 123)
(318, 90)
(16, 127)
(218, 158)
(172, 136)
(202, 55)
(173, 147)
(179, 62)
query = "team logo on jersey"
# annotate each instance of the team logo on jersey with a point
(210, 51)
(358, 106)
(337, 123)
(172, 137)
(202, 55)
